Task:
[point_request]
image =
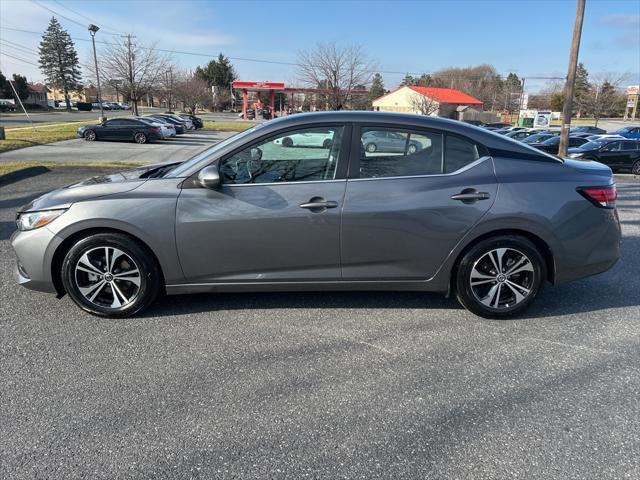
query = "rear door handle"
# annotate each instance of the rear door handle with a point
(470, 195)
(318, 204)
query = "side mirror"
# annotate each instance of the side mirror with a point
(209, 177)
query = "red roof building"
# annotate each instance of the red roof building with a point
(425, 101)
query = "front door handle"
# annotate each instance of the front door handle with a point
(318, 204)
(470, 195)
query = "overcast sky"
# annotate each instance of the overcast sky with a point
(531, 38)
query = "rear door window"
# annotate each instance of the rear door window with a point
(390, 152)
(459, 153)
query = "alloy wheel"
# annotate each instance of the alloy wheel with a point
(90, 135)
(108, 277)
(636, 168)
(502, 278)
(140, 138)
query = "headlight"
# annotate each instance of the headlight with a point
(575, 155)
(32, 220)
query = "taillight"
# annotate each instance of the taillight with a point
(153, 129)
(604, 197)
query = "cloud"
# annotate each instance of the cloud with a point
(627, 28)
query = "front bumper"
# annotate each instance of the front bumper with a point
(34, 250)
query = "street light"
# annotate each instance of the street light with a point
(92, 30)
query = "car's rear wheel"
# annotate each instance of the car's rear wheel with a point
(90, 135)
(500, 276)
(287, 142)
(371, 147)
(110, 275)
(140, 138)
(412, 149)
(636, 168)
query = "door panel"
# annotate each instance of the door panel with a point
(404, 228)
(259, 233)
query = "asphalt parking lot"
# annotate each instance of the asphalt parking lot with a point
(328, 385)
(180, 147)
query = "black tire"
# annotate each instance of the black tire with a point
(636, 168)
(476, 257)
(149, 276)
(90, 135)
(371, 147)
(412, 149)
(140, 138)
(287, 142)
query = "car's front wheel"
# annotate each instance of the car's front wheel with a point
(500, 276)
(636, 168)
(371, 147)
(110, 275)
(90, 135)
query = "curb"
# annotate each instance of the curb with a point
(22, 174)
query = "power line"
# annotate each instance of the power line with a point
(65, 17)
(17, 46)
(19, 59)
(87, 18)
(259, 60)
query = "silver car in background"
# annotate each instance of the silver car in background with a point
(458, 210)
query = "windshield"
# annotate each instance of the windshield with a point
(624, 130)
(180, 170)
(538, 137)
(552, 141)
(593, 145)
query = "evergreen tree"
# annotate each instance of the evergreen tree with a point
(218, 73)
(377, 87)
(59, 60)
(581, 90)
(407, 80)
(19, 83)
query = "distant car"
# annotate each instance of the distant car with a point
(179, 126)
(320, 139)
(197, 121)
(188, 124)
(587, 129)
(617, 154)
(124, 106)
(120, 129)
(553, 144)
(603, 136)
(388, 142)
(505, 130)
(167, 130)
(477, 123)
(521, 134)
(496, 125)
(7, 106)
(629, 132)
(114, 106)
(540, 137)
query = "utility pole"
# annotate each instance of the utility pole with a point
(132, 98)
(571, 80)
(92, 30)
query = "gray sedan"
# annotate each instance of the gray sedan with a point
(456, 209)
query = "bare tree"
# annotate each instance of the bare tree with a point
(424, 105)
(140, 68)
(337, 69)
(604, 97)
(193, 92)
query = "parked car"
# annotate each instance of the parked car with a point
(552, 144)
(179, 126)
(587, 129)
(477, 123)
(388, 141)
(120, 129)
(188, 124)
(124, 106)
(539, 138)
(316, 138)
(629, 132)
(167, 130)
(603, 136)
(496, 125)
(617, 154)
(505, 130)
(473, 214)
(197, 121)
(521, 134)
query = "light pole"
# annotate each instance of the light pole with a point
(92, 30)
